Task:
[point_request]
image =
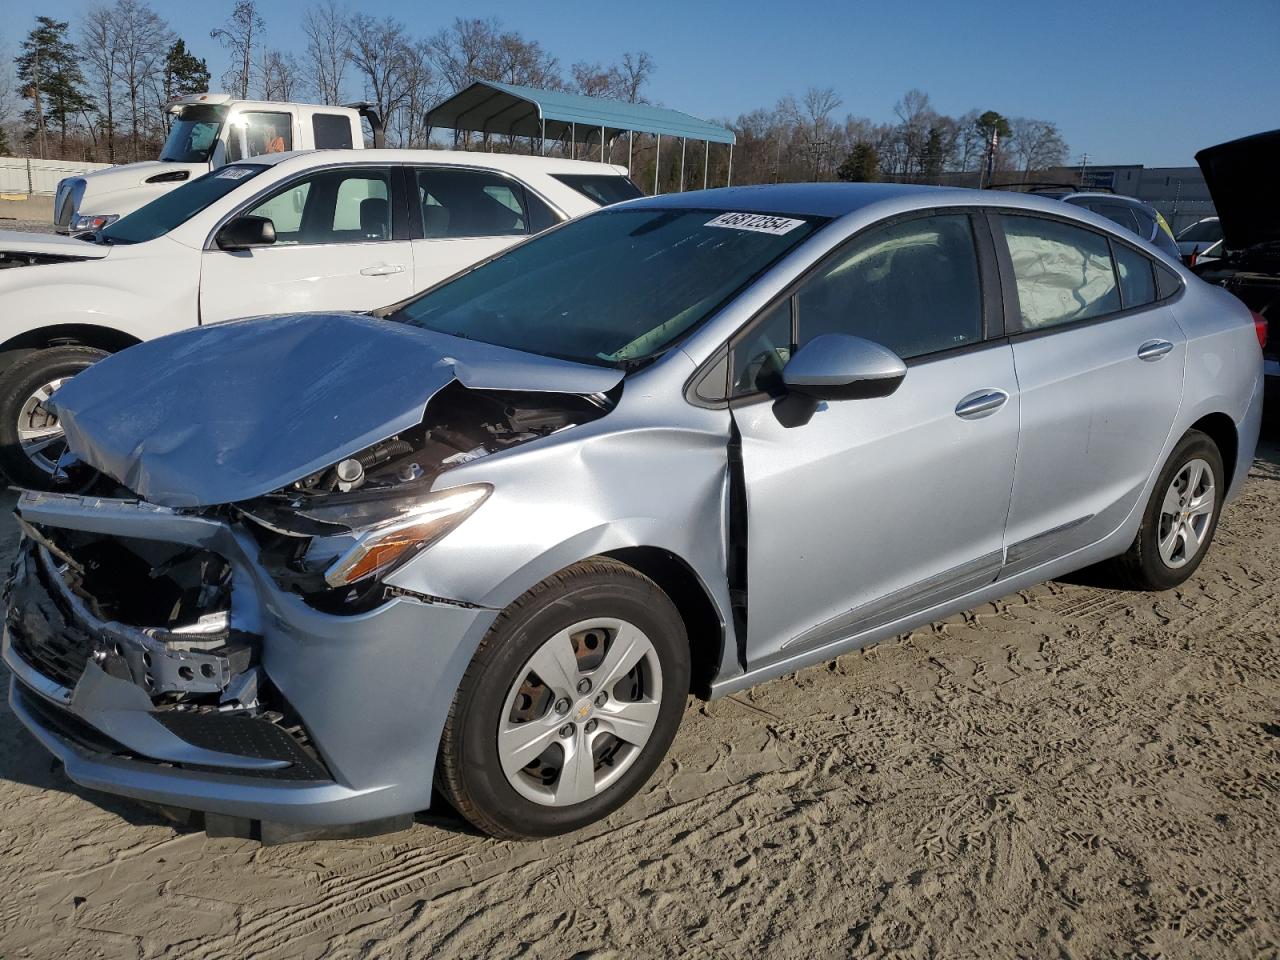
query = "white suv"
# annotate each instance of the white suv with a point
(293, 232)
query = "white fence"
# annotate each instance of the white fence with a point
(32, 175)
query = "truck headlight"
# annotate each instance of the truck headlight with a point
(92, 221)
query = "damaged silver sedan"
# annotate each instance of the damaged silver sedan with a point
(488, 542)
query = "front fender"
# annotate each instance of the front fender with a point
(142, 297)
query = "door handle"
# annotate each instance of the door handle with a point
(981, 403)
(382, 270)
(1154, 350)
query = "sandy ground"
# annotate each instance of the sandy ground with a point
(1068, 772)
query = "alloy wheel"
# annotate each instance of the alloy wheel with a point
(39, 432)
(1186, 513)
(580, 712)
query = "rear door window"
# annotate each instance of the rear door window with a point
(602, 188)
(470, 203)
(331, 131)
(1063, 273)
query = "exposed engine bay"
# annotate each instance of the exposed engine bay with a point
(464, 425)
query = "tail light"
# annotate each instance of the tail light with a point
(1260, 327)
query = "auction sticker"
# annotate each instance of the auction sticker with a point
(755, 222)
(233, 173)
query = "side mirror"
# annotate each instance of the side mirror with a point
(245, 233)
(837, 366)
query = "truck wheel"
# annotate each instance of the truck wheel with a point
(569, 704)
(30, 438)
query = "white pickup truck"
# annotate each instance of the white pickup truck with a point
(209, 130)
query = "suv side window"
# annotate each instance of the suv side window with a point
(332, 206)
(1063, 273)
(470, 203)
(912, 286)
(262, 133)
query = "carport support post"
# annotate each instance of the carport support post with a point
(542, 139)
(706, 161)
(573, 141)
(657, 158)
(729, 180)
(683, 141)
(602, 143)
(631, 142)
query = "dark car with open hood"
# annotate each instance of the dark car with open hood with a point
(1243, 181)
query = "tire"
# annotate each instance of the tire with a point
(18, 388)
(1144, 566)
(608, 605)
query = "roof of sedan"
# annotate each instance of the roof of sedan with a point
(837, 199)
(517, 163)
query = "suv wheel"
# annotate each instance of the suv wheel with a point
(1180, 518)
(30, 438)
(569, 704)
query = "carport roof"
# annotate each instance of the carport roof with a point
(503, 108)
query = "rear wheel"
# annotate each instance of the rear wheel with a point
(569, 704)
(1180, 519)
(31, 439)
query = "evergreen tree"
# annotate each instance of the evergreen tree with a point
(862, 165)
(184, 73)
(49, 75)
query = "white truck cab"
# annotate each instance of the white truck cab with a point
(209, 130)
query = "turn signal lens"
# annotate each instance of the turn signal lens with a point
(382, 547)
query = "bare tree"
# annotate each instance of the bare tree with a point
(100, 43)
(240, 37)
(383, 59)
(143, 40)
(423, 89)
(328, 49)
(620, 81)
(278, 76)
(1037, 144)
(461, 51)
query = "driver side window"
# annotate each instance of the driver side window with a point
(911, 286)
(334, 206)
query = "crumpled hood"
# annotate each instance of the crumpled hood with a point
(48, 244)
(231, 411)
(1241, 176)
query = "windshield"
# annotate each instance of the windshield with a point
(602, 188)
(178, 206)
(1206, 231)
(193, 135)
(613, 287)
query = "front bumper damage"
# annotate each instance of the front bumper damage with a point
(345, 731)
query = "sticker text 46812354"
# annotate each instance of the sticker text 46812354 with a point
(755, 222)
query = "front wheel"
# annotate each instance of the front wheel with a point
(31, 439)
(1180, 519)
(569, 704)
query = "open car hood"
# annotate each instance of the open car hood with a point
(1242, 180)
(50, 245)
(229, 412)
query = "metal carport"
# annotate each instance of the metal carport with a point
(503, 109)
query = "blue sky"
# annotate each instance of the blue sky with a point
(1128, 83)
